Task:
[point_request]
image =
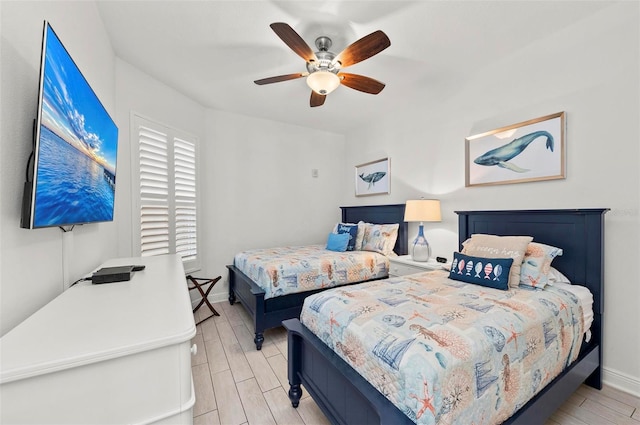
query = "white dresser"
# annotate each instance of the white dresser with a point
(116, 353)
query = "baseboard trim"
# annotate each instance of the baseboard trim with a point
(621, 381)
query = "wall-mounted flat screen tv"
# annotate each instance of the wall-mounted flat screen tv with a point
(71, 175)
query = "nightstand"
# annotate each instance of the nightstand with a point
(404, 265)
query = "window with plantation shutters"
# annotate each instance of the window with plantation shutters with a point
(166, 192)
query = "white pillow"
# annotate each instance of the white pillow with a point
(556, 276)
(360, 236)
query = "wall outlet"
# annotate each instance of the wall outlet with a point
(314, 172)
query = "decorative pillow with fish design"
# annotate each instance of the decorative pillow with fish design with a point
(492, 246)
(489, 272)
(534, 270)
(380, 238)
(352, 230)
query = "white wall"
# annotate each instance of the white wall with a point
(589, 70)
(138, 93)
(255, 178)
(31, 261)
(258, 188)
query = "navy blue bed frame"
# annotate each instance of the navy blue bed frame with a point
(269, 313)
(347, 398)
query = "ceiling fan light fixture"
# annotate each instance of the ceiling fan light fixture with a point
(323, 82)
(324, 68)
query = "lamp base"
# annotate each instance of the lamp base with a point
(420, 248)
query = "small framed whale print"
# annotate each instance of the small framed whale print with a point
(372, 178)
(528, 151)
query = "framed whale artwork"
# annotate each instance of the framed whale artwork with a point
(373, 178)
(528, 151)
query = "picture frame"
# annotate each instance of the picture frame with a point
(532, 150)
(373, 178)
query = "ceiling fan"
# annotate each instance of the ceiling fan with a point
(324, 67)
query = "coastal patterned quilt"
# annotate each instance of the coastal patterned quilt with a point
(286, 270)
(448, 352)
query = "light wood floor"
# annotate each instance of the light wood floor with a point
(235, 384)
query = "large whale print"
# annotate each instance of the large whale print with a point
(500, 156)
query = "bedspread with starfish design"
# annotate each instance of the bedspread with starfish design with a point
(290, 269)
(449, 352)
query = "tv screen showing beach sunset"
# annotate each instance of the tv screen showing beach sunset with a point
(75, 172)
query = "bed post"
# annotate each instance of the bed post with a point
(295, 361)
(594, 229)
(232, 285)
(258, 319)
(258, 340)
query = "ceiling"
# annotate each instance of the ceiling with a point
(212, 51)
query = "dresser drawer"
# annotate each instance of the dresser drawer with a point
(404, 265)
(396, 269)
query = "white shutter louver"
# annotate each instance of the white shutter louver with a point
(185, 198)
(154, 192)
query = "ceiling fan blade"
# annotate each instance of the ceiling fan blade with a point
(364, 48)
(294, 41)
(361, 83)
(317, 99)
(280, 78)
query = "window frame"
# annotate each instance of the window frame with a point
(137, 122)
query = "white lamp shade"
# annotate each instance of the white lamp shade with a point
(323, 82)
(422, 210)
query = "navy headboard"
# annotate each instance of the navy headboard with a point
(381, 214)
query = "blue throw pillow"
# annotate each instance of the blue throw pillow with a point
(489, 272)
(351, 230)
(338, 242)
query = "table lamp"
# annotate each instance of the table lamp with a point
(421, 210)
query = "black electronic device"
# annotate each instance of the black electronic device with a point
(138, 268)
(441, 259)
(112, 274)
